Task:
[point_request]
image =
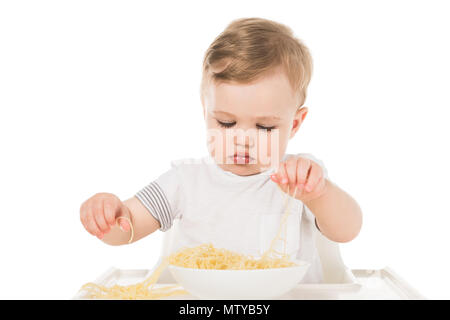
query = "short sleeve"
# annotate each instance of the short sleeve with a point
(162, 197)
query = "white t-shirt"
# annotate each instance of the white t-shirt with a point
(238, 213)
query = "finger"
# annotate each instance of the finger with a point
(99, 216)
(284, 178)
(274, 178)
(276, 168)
(111, 209)
(278, 176)
(282, 174)
(122, 220)
(83, 214)
(92, 227)
(303, 166)
(291, 171)
(314, 177)
(84, 220)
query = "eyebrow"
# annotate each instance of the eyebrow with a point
(257, 118)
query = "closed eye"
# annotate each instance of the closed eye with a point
(265, 128)
(226, 124)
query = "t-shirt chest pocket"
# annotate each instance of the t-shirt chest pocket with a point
(288, 240)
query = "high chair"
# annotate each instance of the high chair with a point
(333, 267)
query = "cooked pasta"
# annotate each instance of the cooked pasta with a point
(204, 256)
(141, 290)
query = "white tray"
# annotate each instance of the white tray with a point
(365, 284)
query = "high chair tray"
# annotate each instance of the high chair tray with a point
(369, 284)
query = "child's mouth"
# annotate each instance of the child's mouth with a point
(241, 159)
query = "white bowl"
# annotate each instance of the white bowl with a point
(239, 284)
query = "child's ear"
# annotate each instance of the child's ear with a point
(303, 112)
(300, 115)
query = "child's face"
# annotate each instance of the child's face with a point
(238, 117)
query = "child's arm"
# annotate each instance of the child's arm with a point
(338, 215)
(98, 215)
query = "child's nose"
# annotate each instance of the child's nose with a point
(244, 139)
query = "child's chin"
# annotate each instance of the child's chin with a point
(244, 169)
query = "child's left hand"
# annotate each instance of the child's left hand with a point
(303, 173)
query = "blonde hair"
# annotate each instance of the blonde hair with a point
(250, 48)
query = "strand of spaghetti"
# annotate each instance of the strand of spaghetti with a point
(283, 221)
(131, 227)
(278, 234)
(283, 225)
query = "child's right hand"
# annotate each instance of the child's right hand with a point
(98, 214)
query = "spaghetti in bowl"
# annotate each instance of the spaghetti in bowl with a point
(240, 284)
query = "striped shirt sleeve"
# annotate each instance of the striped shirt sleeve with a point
(162, 198)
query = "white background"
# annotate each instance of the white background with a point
(100, 96)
